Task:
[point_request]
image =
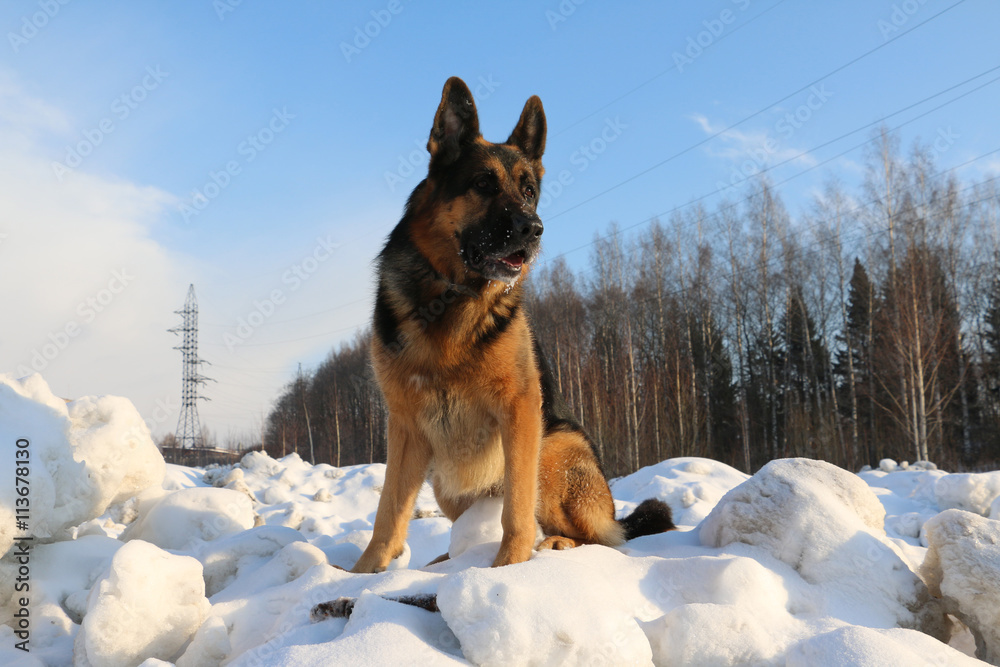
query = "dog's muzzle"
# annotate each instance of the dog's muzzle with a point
(502, 256)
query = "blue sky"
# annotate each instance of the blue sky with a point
(262, 151)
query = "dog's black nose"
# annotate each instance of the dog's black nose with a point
(527, 227)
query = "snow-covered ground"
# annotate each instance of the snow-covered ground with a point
(134, 562)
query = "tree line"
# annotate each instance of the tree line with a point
(867, 327)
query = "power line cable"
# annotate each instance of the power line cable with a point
(664, 72)
(820, 164)
(755, 113)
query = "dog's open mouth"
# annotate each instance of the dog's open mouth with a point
(505, 268)
(514, 261)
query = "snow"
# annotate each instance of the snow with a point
(827, 525)
(480, 524)
(84, 456)
(691, 486)
(854, 645)
(963, 567)
(486, 608)
(183, 518)
(147, 604)
(137, 563)
(974, 492)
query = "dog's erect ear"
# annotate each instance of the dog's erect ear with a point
(455, 123)
(529, 135)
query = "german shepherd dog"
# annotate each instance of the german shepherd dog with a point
(471, 401)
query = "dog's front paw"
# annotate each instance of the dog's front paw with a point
(376, 558)
(511, 553)
(370, 564)
(364, 569)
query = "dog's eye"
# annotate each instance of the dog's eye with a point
(484, 184)
(529, 192)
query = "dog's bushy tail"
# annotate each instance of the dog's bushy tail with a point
(651, 516)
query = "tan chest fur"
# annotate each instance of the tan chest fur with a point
(464, 435)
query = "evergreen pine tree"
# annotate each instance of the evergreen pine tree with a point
(855, 354)
(991, 335)
(805, 355)
(991, 367)
(854, 340)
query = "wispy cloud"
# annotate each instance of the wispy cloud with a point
(85, 285)
(991, 167)
(20, 110)
(764, 146)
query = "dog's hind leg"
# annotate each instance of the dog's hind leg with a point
(576, 505)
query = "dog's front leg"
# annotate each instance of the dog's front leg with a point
(522, 438)
(406, 468)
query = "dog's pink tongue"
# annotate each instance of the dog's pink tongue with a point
(515, 260)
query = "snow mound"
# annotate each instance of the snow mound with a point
(147, 605)
(379, 632)
(114, 443)
(827, 524)
(240, 554)
(734, 611)
(480, 524)
(888, 465)
(973, 492)
(234, 479)
(177, 520)
(690, 485)
(856, 646)
(261, 464)
(82, 457)
(180, 477)
(713, 634)
(916, 485)
(286, 564)
(68, 586)
(963, 568)
(209, 646)
(500, 617)
(801, 494)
